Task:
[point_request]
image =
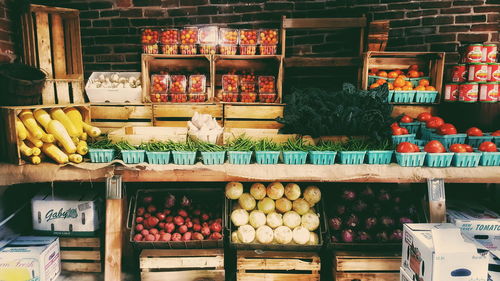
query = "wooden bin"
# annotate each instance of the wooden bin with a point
(431, 63)
(9, 148)
(277, 266)
(366, 266)
(111, 116)
(81, 254)
(152, 64)
(182, 265)
(252, 116)
(177, 115)
(51, 42)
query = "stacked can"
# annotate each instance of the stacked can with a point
(477, 78)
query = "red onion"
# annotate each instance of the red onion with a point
(396, 235)
(363, 236)
(370, 223)
(349, 195)
(185, 202)
(359, 206)
(352, 221)
(170, 201)
(382, 236)
(348, 236)
(336, 223)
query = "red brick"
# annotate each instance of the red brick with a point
(278, 6)
(389, 15)
(126, 66)
(452, 58)
(193, 2)
(440, 38)
(124, 3)
(207, 10)
(415, 40)
(170, 3)
(437, 20)
(436, 4)
(487, 9)
(448, 47)
(470, 18)
(473, 37)
(404, 6)
(154, 13)
(484, 27)
(247, 8)
(110, 13)
(493, 18)
(468, 2)
(414, 14)
(420, 30)
(404, 23)
(146, 3)
(131, 13)
(100, 5)
(461, 10)
(109, 58)
(454, 28)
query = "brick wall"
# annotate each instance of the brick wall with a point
(6, 40)
(111, 28)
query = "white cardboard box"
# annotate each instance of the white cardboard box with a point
(438, 252)
(75, 214)
(489, 244)
(30, 258)
(109, 94)
(473, 219)
(403, 275)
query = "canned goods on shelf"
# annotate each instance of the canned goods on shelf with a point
(489, 53)
(459, 73)
(494, 72)
(474, 53)
(478, 72)
(451, 92)
(468, 92)
(488, 92)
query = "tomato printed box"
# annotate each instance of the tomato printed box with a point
(473, 219)
(31, 258)
(75, 214)
(436, 252)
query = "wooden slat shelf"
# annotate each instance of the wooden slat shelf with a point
(46, 172)
(322, 62)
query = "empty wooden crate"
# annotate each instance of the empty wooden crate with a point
(81, 254)
(366, 266)
(182, 265)
(277, 266)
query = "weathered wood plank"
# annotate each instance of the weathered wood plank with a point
(253, 112)
(81, 266)
(67, 242)
(276, 277)
(382, 276)
(80, 255)
(186, 110)
(190, 275)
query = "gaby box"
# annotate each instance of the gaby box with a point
(436, 252)
(30, 258)
(74, 214)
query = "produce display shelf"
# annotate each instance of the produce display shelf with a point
(392, 173)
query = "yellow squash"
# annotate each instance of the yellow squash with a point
(75, 158)
(36, 142)
(35, 160)
(57, 129)
(42, 117)
(24, 149)
(36, 150)
(75, 117)
(20, 129)
(59, 115)
(55, 153)
(82, 148)
(30, 123)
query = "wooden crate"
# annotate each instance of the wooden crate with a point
(252, 116)
(151, 64)
(378, 34)
(51, 42)
(431, 63)
(177, 115)
(260, 65)
(9, 146)
(277, 266)
(81, 254)
(182, 265)
(256, 134)
(367, 266)
(109, 116)
(139, 135)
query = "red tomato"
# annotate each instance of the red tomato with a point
(407, 147)
(488, 146)
(395, 125)
(473, 131)
(468, 148)
(496, 133)
(447, 129)
(415, 147)
(406, 119)
(424, 116)
(458, 148)
(434, 122)
(399, 131)
(434, 146)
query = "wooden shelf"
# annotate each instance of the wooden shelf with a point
(322, 62)
(46, 172)
(248, 57)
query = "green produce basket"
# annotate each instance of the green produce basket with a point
(427, 132)
(322, 157)
(419, 142)
(184, 157)
(414, 159)
(213, 158)
(490, 159)
(426, 96)
(415, 81)
(158, 157)
(101, 155)
(381, 157)
(412, 127)
(373, 79)
(402, 138)
(438, 160)
(476, 141)
(448, 140)
(133, 156)
(352, 157)
(404, 96)
(390, 96)
(294, 157)
(496, 140)
(466, 159)
(267, 157)
(239, 157)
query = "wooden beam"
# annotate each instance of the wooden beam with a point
(322, 62)
(114, 238)
(324, 23)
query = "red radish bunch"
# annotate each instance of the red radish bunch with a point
(179, 220)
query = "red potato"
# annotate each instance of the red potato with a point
(138, 237)
(150, 237)
(147, 215)
(197, 236)
(189, 224)
(153, 231)
(139, 219)
(161, 225)
(196, 221)
(140, 211)
(215, 236)
(165, 237)
(169, 227)
(186, 236)
(167, 212)
(215, 227)
(169, 219)
(161, 216)
(205, 231)
(183, 229)
(139, 227)
(157, 236)
(196, 227)
(197, 212)
(145, 232)
(147, 199)
(179, 220)
(205, 217)
(152, 221)
(183, 213)
(176, 237)
(151, 209)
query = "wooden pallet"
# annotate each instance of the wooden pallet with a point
(366, 266)
(9, 148)
(177, 115)
(182, 265)
(51, 42)
(81, 254)
(258, 116)
(112, 116)
(277, 266)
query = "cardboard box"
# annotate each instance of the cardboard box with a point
(30, 258)
(437, 252)
(490, 244)
(75, 214)
(473, 219)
